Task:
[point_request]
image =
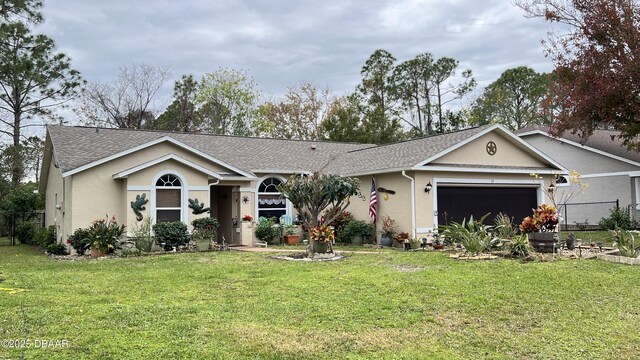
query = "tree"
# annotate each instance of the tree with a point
(514, 100)
(299, 116)
(447, 91)
(312, 195)
(34, 78)
(597, 65)
(181, 115)
(425, 87)
(414, 87)
(21, 11)
(343, 121)
(227, 102)
(125, 103)
(378, 99)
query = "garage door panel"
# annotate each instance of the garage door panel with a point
(456, 203)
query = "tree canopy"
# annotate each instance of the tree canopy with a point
(597, 65)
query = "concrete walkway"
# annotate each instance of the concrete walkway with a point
(274, 250)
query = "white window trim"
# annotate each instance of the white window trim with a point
(184, 196)
(288, 206)
(539, 184)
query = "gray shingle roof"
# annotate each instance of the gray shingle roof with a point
(603, 140)
(402, 155)
(78, 146)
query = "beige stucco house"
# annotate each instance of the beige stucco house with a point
(91, 172)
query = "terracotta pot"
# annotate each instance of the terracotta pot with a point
(438, 246)
(292, 239)
(96, 253)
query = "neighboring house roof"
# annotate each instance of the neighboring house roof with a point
(77, 147)
(413, 154)
(602, 141)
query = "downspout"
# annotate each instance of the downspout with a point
(413, 204)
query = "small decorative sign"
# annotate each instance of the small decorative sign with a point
(383, 190)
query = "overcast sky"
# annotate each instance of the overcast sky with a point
(281, 43)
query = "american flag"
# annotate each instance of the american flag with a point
(373, 201)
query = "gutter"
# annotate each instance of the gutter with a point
(413, 204)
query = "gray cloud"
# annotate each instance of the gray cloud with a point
(284, 42)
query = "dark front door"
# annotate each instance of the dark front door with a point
(456, 203)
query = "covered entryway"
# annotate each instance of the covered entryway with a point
(222, 208)
(458, 202)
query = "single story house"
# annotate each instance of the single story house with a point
(90, 172)
(611, 170)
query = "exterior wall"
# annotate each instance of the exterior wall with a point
(397, 206)
(54, 197)
(574, 158)
(475, 153)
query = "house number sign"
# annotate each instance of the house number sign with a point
(492, 148)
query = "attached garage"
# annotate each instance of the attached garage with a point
(456, 202)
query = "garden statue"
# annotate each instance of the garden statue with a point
(198, 207)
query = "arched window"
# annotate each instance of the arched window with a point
(271, 203)
(168, 198)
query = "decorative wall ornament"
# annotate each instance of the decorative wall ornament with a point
(492, 148)
(245, 199)
(138, 205)
(387, 191)
(198, 207)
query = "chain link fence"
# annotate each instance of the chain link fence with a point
(587, 215)
(10, 222)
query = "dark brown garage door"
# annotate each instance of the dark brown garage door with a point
(456, 203)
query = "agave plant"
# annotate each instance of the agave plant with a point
(474, 235)
(626, 243)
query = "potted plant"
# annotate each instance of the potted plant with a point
(321, 237)
(437, 243)
(541, 227)
(356, 231)
(104, 236)
(388, 231)
(291, 235)
(401, 238)
(247, 218)
(204, 232)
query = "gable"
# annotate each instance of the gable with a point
(577, 157)
(153, 150)
(507, 154)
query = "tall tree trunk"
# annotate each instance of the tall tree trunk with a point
(16, 159)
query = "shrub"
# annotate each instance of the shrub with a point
(25, 233)
(171, 234)
(626, 243)
(46, 236)
(355, 228)
(79, 241)
(545, 218)
(265, 229)
(142, 237)
(104, 234)
(520, 246)
(57, 249)
(341, 221)
(618, 218)
(205, 227)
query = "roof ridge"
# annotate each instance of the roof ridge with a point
(207, 134)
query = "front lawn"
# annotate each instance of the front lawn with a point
(383, 305)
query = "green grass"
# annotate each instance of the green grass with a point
(244, 305)
(590, 236)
